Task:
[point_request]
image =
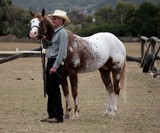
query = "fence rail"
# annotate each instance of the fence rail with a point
(12, 55)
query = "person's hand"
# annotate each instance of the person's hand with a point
(52, 70)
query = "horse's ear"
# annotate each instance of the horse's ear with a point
(43, 12)
(32, 14)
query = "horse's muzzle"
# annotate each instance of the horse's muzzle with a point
(33, 35)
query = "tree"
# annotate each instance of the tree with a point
(20, 22)
(107, 19)
(144, 21)
(122, 9)
(4, 6)
(104, 14)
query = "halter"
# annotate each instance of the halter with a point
(41, 34)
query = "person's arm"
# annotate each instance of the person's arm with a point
(63, 43)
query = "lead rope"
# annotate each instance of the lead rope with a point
(43, 54)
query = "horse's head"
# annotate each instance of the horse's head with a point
(38, 25)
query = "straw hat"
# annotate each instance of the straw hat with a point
(61, 14)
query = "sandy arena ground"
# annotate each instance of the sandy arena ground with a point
(22, 104)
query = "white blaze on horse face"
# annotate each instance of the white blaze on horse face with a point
(34, 30)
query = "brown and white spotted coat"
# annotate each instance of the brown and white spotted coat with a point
(101, 51)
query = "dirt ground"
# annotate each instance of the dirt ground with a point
(22, 104)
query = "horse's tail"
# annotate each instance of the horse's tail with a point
(123, 77)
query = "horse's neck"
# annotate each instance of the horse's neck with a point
(50, 28)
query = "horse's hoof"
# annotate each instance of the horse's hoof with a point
(66, 116)
(76, 116)
(111, 114)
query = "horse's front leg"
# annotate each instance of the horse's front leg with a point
(64, 84)
(74, 83)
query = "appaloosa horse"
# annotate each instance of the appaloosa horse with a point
(101, 51)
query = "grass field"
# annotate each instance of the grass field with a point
(22, 104)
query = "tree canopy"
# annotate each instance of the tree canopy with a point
(125, 19)
(13, 20)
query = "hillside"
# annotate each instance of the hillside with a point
(69, 5)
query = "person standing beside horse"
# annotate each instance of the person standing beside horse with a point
(56, 53)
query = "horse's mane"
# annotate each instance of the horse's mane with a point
(49, 21)
(50, 24)
(68, 31)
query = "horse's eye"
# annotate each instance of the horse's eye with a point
(32, 22)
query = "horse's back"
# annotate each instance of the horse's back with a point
(107, 39)
(91, 53)
(109, 42)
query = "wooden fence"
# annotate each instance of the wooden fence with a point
(150, 47)
(150, 53)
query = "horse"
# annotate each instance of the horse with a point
(102, 51)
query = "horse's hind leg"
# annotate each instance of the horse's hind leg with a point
(64, 84)
(74, 81)
(116, 80)
(111, 98)
(116, 75)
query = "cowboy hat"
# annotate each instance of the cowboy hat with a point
(61, 14)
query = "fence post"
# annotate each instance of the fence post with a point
(143, 42)
(154, 41)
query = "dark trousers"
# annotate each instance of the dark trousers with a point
(54, 105)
